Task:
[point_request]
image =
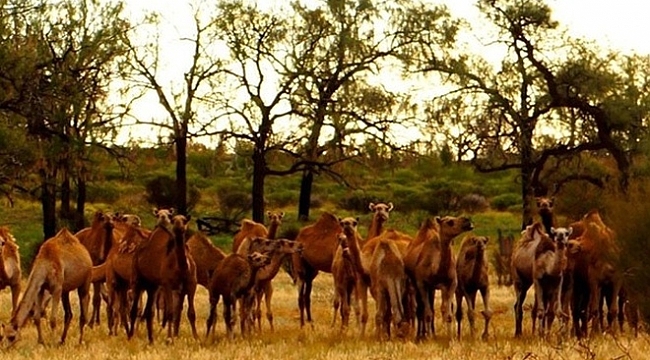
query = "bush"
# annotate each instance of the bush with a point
(505, 201)
(282, 198)
(161, 192)
(233, 201)
(105, 192)
(474, 203)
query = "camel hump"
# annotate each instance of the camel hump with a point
(66, 236)
(327, 219)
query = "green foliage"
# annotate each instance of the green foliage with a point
(103, 192)
(505, 201)
(234, 200)
(161, 192)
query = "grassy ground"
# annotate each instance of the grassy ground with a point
(320, 341)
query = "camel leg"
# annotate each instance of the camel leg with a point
(258, 294)
(170, 309)
(459, 311)
(345, 309)
(520, 293)
(134, 310)
(447, 292)
(362, 299)
(594, 305)
(431, 323)
(212, 316)
(379, 316)
(123, 306)
(191, 311)
(67, 315)
(336, 304)
(148, 312)
(268, 294)
(424, 313)
(179, 298)
(38, 312)
(227, 315)
(15, 295)
(471, 309)
(55, 291)
(615, 308)
(487, 312)
(539, 308)
(97, 303)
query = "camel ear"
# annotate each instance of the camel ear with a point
(553, 230)
(281, 214)
(357, 219)
(390, 206)
(438, 219)
(171, 211)
(155, 211)
(371, 206)
(268, 213)
(187, 218)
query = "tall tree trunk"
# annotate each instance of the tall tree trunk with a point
(66, 194)
(181, 175)
(527, 168)
(259, 173)
(305, 195)
(48, 205)
(80, 221)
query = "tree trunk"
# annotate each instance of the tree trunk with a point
(48, 204)
(305, 195)
(66, 195)
(181, 175)
(259, 173)
(80, 220)
(527, 168)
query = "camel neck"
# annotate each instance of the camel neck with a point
(547, 221)
(354, 249)
(273, 230)
(478, 265)
(376, 227)
(179, 244)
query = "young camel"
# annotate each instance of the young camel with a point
(388, 280)
(545, 212)
(233, 279)
(521, 266)
(248, 229)
(472, 272)
(61, 265)
(10, 271)
(99, 238)
(548, 269)
(162, 261)
(346, 276)
(430, 265)
(380, 216)
(205, 255)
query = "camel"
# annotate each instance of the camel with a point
(545, 211)
(205, 255)
(130, 219)
(275, 220)
(388, 280)
(248, 229)
(345, 274)
(501, 259)
(430, 265)
(163, 261)
(549, 266)
(521, 266)
(263, 286)
(62, 265)
(99, 238)
(319, 242)
(233, 279)
(10, 271)
(472, 272)
(594, 270)
(379, 217)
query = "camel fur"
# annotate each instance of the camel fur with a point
(380, 216)
(205, 255)
(62, 265)
(472, 272)
(346, 271)
(10, 270)
(248, 229)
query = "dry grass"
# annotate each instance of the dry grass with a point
(321, 341)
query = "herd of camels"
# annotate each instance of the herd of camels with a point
(571, 269)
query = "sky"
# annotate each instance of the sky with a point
(620, 25)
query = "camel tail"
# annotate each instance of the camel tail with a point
(35, 282)
(395, 294)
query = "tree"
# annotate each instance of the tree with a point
(508, 108)
(184, 104)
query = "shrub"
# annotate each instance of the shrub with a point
(473, 203)
(233, 201)
(505, 201)
(161, 191)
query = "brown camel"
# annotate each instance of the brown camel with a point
(10, 271)
(163, 261)
(62, 265)
(248, 229)
(501, 259)
(98, 239)
(388, 280)
(593, 271)
(472, 272)
(430, 265)
(345, 274)
(130, 219)
(233, 279)
(263, 278)
(380, 216)
(521, 266)
(548, 269)
(275, 220)
(205, 255)
(319, 242)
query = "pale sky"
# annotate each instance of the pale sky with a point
(621, 25)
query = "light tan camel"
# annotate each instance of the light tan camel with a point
(205, 255)
(319, 242)
(430, 265)
(380, 216)
(61, 265)
(10, 271)
(501, 259)
(248, 229)
(275, 220)
(233, 279)
(264, 276)
(388, 280)
(548, 269)
(521, 266)
(98, 239)
(472, 272)
(162, 261)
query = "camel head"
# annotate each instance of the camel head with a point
(129, 219)
(381, 210)
(450, 226)
(534, 231)
(574, 246)
(180, 222)
(164, 216)
(545, 205)
(258, 260)
(275, 217)
(101, 219)
(261, 245)
(349, 225)
(286, 246)
(344, 244)
(480, 242)
(561, 235)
